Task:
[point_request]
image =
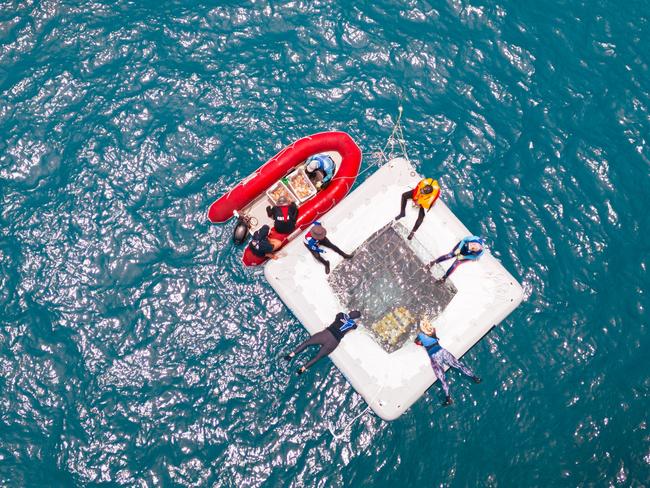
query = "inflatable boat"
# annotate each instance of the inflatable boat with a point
(386, 280)
(253, 194)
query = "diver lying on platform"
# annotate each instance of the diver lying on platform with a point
(440, 357)
(470, 248)
(328, 339)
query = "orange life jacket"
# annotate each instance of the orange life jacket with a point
(426, 200)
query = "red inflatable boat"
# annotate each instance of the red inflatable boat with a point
(250, 197)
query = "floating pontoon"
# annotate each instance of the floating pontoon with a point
(386, 280)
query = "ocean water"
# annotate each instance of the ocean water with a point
(136, 351)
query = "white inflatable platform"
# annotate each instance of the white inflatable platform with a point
(386, 280)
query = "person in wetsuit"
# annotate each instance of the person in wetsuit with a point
(440, 357)
(284, 215)
(470, 248)
(328, 339)
(424, 195)
(263, 246)
(320, 169)
(317, 237)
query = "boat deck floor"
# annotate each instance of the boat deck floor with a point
(257, 208)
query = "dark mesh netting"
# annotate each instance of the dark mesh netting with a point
(387, 282)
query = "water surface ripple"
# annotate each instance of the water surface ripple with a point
(135, 350)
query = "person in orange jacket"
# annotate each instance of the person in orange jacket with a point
(424, 195)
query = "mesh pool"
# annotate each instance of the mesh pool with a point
(387, 282)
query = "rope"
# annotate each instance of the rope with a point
(370, 166)
(380, 154)
(347, 426)
(397, 130)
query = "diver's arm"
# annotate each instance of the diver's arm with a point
(459, 246)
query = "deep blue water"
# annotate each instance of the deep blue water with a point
(134, 348)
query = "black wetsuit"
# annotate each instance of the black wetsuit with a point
(260, 245)
(406, 196)
(329, 244)
(285, 217)
(314, 248)
(329, 338)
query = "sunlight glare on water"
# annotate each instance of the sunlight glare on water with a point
(136, 350)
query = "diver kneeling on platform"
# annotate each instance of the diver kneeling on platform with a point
(316, 237)
(424, 195)
(470, 248)
(328, 339)
(440, 357)
(263, 246)
(284, 215)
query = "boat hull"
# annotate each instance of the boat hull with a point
(277, 167)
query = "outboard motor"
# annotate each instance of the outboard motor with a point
(240, 234)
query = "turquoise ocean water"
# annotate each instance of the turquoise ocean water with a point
(136, 351)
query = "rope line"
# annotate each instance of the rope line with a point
(349, 424)
(396, 137)
(397, 130)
